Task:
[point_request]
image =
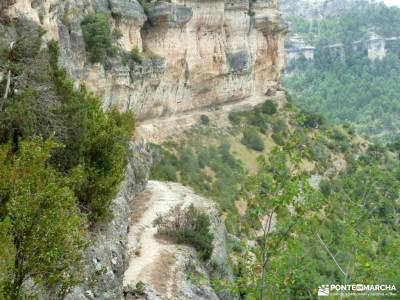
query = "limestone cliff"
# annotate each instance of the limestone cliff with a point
(197, 53)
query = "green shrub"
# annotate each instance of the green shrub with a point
(205, 120)
(135, 55)
(188, 226)
(252, 139)
(145, 5)
(95, 143)
(234, 117)
(269, 107)
(164, 166)
(99, 145)
(189, 165)
(98, 37)
(42, 231)
(257, 120)
(104, 158)
(325, 187)
(318, 151)
(338, 135)
(278, 139)
(280, 126)
(313, 120)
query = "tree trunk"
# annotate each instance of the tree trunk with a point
(19, 273)
(6, 91)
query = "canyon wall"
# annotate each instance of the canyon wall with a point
(196, 53)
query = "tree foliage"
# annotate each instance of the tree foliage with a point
(355, 24)
(62, 158)
(98, 37)
(351, 90)
(368, 92)
(43, 228)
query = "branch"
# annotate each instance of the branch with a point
(8, 83)
(331, 255)
(6, 91)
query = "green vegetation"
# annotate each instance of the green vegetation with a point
(98, 37)
(352, 90)
(188, 226)
(354, 25)
(135, 55)
(252, 139)
(268, 107)
(357, 91)
(62, 158)
(351, 211)
(205, 120)
(145, 5)
(355, 220)
(209, 168)
(43, 229)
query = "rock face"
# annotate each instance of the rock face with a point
(105, 258)
(197, 53)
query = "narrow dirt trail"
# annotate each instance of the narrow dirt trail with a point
(153, 260)
(157, 130)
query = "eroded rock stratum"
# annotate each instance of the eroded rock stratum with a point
(197, 53)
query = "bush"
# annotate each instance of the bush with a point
(318, 151)
(135, 55)
(95, 143)
(145, 5)
(258, 120)
(98, 146)
(338, 135)
(205, 120)
(104, 158)
(278, 139)
(280, 126)
(325, 187)
(187, 226)
(234, 117)
(312, 120)
(252, 139)
(98, 37)
(164, 166)
(42, 231)
(269, 107)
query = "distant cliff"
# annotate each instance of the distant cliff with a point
(196, 53)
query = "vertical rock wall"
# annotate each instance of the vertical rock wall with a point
(197, 53)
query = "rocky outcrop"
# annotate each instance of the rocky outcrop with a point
(196, 53)
(105, 259)
(160, 269)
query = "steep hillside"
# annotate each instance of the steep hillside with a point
(292, 190)
(346, 68)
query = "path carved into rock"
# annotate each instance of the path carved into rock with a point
(153, 260)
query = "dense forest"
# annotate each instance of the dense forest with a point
(356, 24)
(351, 89)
